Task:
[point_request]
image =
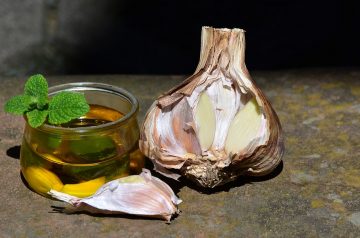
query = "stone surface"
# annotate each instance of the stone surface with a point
(355, 219)
(324, 151)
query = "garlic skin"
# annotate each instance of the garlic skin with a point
(217, 124)
(142, 195)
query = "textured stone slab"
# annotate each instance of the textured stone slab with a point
(315, 193)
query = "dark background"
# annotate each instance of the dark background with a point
(163, 37)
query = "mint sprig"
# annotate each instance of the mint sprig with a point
(36, 117)
(18, 105)
(37, 88)
(35, 104)
(66, 106)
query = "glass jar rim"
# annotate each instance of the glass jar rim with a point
(91, 86)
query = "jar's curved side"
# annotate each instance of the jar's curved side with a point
(43, 168)
(64, 158)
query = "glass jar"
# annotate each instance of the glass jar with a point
(79, 157)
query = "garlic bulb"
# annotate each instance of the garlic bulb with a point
(142, 195)
(217, 124)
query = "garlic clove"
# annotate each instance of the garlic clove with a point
(182, 127)
(244, 128)
(142, 195)
(205, 121)
(227, 102)
(41, 179)
(217, 124)
(83, 189)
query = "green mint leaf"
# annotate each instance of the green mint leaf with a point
(37, 88)
(35, 103)
(36, 117)
(66, 106)
(18, 105)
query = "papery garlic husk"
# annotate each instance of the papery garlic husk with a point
(142, 195)
(217, 124)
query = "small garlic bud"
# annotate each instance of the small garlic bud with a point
(142, 195)
(217, 124)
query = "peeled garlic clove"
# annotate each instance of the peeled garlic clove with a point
(142, 195)
(41, 179)
(239, 136)
(205, 121)
(83, 189)
(217, 124)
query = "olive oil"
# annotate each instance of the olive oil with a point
(77, 158)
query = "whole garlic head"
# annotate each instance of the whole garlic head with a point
(217, 124)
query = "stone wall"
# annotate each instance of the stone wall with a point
(163, 37)
(43, 35)
(20, 30)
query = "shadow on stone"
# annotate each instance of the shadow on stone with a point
(242, 180)
(14, 152)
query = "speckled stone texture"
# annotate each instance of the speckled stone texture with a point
(314, 193)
